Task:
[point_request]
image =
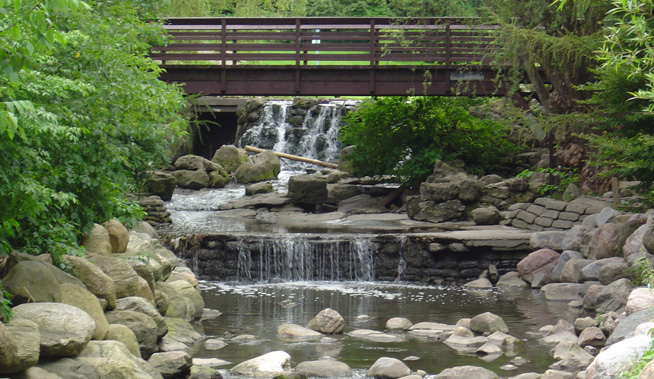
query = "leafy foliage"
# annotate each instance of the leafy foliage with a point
(404, 137)
(623, 97)
(92, 119)
(5, 305)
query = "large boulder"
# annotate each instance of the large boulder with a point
(67, 368)
(65, 330)
(634, 243)
(265, 366)
(98, 242)
(295, 332)
(511, 280)
(161, 184)
(143, 326)
(466, 372)
(398, 323)
(386, 367)
(560, 263)
(486, 215)
(439, 192)
(263, 166)
(361, 204)
(112, 359)
(86, 301)
(324, 369)
(36, 281)
(126, 280)
(180, 336)
(188, 291)
(626, 328)
(540, 261)
(564, 291)
(592, 271)
(307, 189)
(118, 236)
(19, 345)
(230, 157)
(121, 333)
(172, 364)
(139, 304)
(434, 212)
(96, 281)
(604, 242)
(640, 299)
(488, 322)
(610, 362)
(192, 179)
(614, 296)
(573, 270)
(327, 321)
(178, 305)
(547, 240)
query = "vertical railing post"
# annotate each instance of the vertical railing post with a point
(223, 42)
(372, 45)
(297, 55)
(448, 44)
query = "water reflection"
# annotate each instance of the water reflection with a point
(258, 309)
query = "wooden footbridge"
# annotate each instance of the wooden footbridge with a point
(330, 56)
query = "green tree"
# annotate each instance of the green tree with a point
(404, 137)
(97, 118)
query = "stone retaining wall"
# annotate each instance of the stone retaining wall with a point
(448, 257)
(551, 214)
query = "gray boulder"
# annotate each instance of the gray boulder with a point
(192, 179)
(36, 281)
(121, 333)
(388, 368)
(466, 372)
(69, 368)
(634, 243)
(268, 365)
(572, 270)
(563, 259)
(112, 359)
(86, 301)
(307, 189)
(65, 330)
(96, 281)
(627, 327)
(434, 212)
(361, 204)
(178, 305)
(604, 242)
(185, 290)
(327, 321)
(180, 336)
(19, 345)
(576, 238)
(564, 291)
(547, 240)
(256, 188)
(592, 336)
(610, 362)
(139, 304)
(324, 369)
(614, 296)
(488, 322)
(98, 242)
(230, 157)
(640, 299)
(126, 280)
(295, 332)
(511, 280)
(161, 184)
(648, 240)
(439, 192)
(540, 261)
(486, 216)
(398, 323)
(118, 236)
(143, 326)
(263, 166)
(606, 215)
(172, 364)
(470, 190)
(592, 271)
(572, 354)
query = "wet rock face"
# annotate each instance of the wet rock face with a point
(327, 321)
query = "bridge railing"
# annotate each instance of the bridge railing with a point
(326, 41)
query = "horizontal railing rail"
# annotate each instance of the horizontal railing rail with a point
(327, 41)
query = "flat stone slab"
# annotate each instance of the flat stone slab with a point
(272, 199)
(498, 238)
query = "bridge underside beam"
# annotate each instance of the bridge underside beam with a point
(237, 80)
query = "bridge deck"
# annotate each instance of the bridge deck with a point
(329, 56)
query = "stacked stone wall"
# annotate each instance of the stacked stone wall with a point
(551, 214)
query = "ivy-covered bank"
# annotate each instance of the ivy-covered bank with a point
(82, 118)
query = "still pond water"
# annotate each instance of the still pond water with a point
(258, 309)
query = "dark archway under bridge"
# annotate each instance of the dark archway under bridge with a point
(330, 57)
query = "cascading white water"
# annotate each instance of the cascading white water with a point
(317, 138)
(294, 258)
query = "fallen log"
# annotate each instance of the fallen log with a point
(293, 157)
